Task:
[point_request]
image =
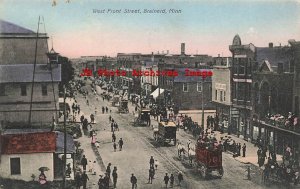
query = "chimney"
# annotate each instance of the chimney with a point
(280, 68)
(218, 55)
(167, 51)
(270, 45)
(182, 48)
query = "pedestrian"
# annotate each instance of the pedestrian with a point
(115, 177)
(180, 178)
(84, 163)
(172, 180)
(112, 127)
(113, 137)
(133, 181)
(106, 181)
(115, 147)
(244, 150)
(108, 170)
(151, 162)
(101, 182)
(109, 118)
(103, 110)
(87, 102)
(239, 146)
(116, 127)
(81, 118)
(151, 175)
(91, 130)
(166, 179)
(106, 109)
(248, 173)
(84, 179)
(121, 144)
(92, 117)
(78, 180)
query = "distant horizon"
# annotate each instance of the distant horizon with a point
(206, 27)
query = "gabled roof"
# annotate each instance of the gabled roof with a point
(23, 73)
(266, 66)
(28, 143)
(10, 28)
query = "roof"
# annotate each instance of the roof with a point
(10, 28)
(29, 143)
(23, 73)
(273, 55)
(182, 78)
(60, 143)
(168, 124)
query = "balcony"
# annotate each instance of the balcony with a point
(290, 123)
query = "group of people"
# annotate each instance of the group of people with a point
(234, 147)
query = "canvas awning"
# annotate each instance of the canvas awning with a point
(155, 93)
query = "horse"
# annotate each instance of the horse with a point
(180, 149)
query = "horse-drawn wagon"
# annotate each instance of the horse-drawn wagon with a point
(165, 132)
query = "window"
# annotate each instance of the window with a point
(44, 90)
(23, 90)
(2, 90)
(199, 87)
(185, 87)
(224, 96)
(15, 166)
(216, 95)
(221, 96)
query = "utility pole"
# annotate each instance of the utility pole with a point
(202, 103)
(65, 142)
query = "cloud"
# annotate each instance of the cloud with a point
(252, 32)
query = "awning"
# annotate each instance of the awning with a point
(155, 93)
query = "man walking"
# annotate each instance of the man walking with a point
(151, 162)
(106, 181)
(172, 180)
(180, 178)
(84, 179)
(84, 163)
(113, 137)
(166, 179)
(108, 170)
(115, 147)
(121, 144)
(133, 181)
(115, 176)
(244, 150)
(151, 175)
(78, 180)
(101, 182)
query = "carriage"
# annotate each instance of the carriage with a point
(123, 106)
(165, 132)
(208, 159)
(115, 100)
(142, 118)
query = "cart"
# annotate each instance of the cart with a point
(208, 160)
(123, 107)
(142, 118)
(115, 100)
(165, 132)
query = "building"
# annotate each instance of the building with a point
(272, 90)
(221, 92)
(23, 154)
(242, 64)
(22, 99)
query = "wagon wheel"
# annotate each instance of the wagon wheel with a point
(221, 171)
(203, 171)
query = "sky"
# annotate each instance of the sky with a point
(205, 26)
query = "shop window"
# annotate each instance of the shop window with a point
(44, 90)
(185, 87)
(23, 90)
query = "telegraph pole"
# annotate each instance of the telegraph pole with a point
(65, 141)
(202, 103)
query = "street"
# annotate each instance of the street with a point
(139, 146)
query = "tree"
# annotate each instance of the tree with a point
(67, 71)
